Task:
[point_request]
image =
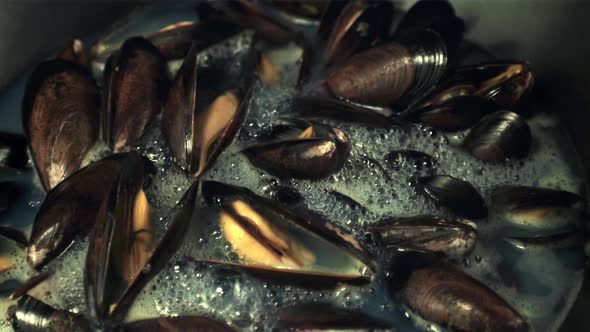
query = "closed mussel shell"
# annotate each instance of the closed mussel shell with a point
(451, 236)
(457, 195)
(441, 293)
(499, 136)
(316, 152)
(136, 85)
(61, 118)
(31, 315)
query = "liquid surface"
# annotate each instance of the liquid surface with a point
(540, 284)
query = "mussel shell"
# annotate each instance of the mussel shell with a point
(317, 107)
(326, 317)
(503, 82)
(451, 236)
(443, 294)
(75, 52)
(31, 315)
(199, 122)
(136, 84)
(348, 27)
(69, 209)
(459, 196)
(306, 158)
(383, 74)
(110, 262)
(455, 113)
(315, 227)
(15, 235)
(10, 192)
(306, 9)
(179, 220)
(437, 15)
(511, 197)
(173, 324)
(61, 118)
(29, 284)
(499, 136)
(347, 201)
(13, 151)
(284, 194)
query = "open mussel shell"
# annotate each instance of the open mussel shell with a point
(537, 209)
(437, 15)
(75, 52)
(32, 315)
(321, 107)
(454, 114)
(122, 241)
(202, 117)
(108, 293)
(315, 151)
(173, 324)
(273, 240)
(13, 151)
(136, 85)
(61, 118)
(348, 27)
(503, 82)
(246, 14)
(499, 136)
(70, 208)
(395, 72)
(454, 237)
(457, 195)
(326, 317)
(443, 294)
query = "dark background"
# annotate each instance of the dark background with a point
(553, 35)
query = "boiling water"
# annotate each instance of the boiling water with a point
(540, 283)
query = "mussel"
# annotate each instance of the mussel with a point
(537, 209)
(499, 136)
(417, 160)
(123, 256)
(69, 209)
(61, 118)
(304, 10)
(203, 114)
(503, 82)
(452, 236)
(313, 151)
(10, 192)
(272, 240)
(454, 114)
(31, 283)
(395, 72)
(326, 317)
(459, 196)
(15, 235)
(136, 85)
(173, 324)
(443, 294)
(32, 315)
(13, 151)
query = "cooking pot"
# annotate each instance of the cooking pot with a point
(552, 35)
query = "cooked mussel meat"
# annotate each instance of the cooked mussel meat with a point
(395, 72)
(441, 293)
(452, 236)
(61, 118)
(537, 208)
(272, 240)
(70, 208)
(136, 86)
(458, 195)
(499, 136)
(326, 317)
(32, 315)
(311, 151)
(454, 114)
(503, 82)
(203, 114)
